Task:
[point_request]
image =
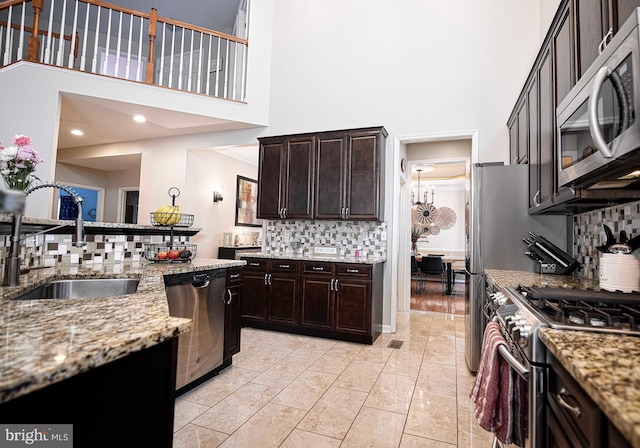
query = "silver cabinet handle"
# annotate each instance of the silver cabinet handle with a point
(346, 213)
(284, 212)
(270, 278)
(228, 293)
(575, 410)
(284, 266)
(234, 276)
(266, 279)
(332, 284)
(336, 285)
(317, 268)
(535, 201)
(353, 271)
(342, 213)
(605, 41)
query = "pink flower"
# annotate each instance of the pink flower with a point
(21, 140)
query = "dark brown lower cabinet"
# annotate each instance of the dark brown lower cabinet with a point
(132, 399)
(233, 298)
(573, 419)
(333, 300)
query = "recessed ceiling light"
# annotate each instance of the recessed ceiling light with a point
(425, 168)
(139, 118)
(77, 132)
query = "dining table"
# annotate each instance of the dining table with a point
(448, 261)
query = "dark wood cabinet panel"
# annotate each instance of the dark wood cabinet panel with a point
(363, 175)
(547, 129)
(298, 187)
(513, 140)
(589, 31)
(564, 57)
(283, 298)
(331, 158)
(620, 10)
(317, 302)
(353, 306)
(252, 307)
(523, 134)
(233, 298)
(534, 147)
(270, 180)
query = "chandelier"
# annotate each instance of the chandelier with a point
(413, 201)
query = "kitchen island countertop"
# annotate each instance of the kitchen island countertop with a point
(48, 340)
(607, 366)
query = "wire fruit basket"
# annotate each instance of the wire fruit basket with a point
(165, 253)
(171, 219)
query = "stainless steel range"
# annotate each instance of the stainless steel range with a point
(523, 311)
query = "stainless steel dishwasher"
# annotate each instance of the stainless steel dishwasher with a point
(198, 296)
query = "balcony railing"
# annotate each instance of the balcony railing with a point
(97, 37)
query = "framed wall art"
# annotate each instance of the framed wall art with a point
(247, 203)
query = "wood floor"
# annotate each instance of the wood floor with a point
(431, 298)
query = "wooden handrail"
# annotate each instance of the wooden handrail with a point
(202, 30)
(7, 3)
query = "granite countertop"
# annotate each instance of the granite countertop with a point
(361, 260)
(45, 341)
(607, 366)
(514, 278)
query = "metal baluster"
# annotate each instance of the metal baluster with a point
(60, 54)
(226, 71)
(94, 62)
(83, 56)
(173, 41)
(235, 70)
(243, 79)
(72, 46)
(180, 69)
(190, 75)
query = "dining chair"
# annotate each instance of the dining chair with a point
(430, 265)
(416, 275)
(458, 269)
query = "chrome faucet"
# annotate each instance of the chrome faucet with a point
(12, 262)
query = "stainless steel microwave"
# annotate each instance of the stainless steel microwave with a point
(598, 130)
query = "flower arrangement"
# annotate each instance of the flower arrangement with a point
(18, 162)
(417, 231)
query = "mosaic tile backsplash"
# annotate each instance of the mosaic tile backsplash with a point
(300, 237)
(50, 249)
(588, 232)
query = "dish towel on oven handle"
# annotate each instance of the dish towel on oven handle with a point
(492, 392)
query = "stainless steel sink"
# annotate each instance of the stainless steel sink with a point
(82, 288)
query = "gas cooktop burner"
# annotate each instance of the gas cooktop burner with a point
(586, 308)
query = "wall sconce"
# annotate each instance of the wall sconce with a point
(217, 196)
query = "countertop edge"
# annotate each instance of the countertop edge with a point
(349, 260)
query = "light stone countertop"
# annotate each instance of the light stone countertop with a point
(361, 260)
(48, 340)
(607, 366)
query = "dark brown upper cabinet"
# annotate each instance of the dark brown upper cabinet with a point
(285, 178)
(340, 179)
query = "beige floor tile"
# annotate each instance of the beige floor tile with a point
(305, 439)
(470, 434)
(336, 359)
(360, 375)
(433, 416)
(265, 358)
(334, 412)
(283, 372)
(305, 390)
(266, 429)
(391, 393)
(404, 361)
(437, 378)
(375, 428)
(409, 441)
(220, 387)
(232, 412)
(441, 350)
(185, 411)
(313, 349)
(192, 436)
(375, 354)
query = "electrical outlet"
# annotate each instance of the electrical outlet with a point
(383, 235)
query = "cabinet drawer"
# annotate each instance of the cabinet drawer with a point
(234, 276)
(354, 270)
(256, 264)
(572, 405)
(285, 266)
(320, 268)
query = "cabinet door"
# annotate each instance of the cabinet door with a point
(317, 302)
(330, 176)
(534, 144)
(513, 140)
(283, 299)
(298, 190)
(523, 134)
(621, 10)
(547, 129)
(353, 306)
(564, 57)
(270, 182)
(233, 299)
(590, 25)
(252, 306)
(363, 175)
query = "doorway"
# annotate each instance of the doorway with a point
(128, 205)
(402, 243)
